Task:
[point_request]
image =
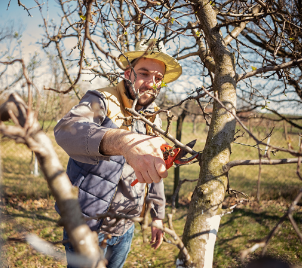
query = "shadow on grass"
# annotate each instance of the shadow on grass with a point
(30, 215)
(27, 205)
(270, 189)
(258, 217)
(224, 240)
(7, 193)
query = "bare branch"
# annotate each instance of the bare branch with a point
(162, 132)
(269, 69)
(237, 30)
(203, 50)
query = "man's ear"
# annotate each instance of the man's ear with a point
(127, 73)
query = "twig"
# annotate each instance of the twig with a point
(190, 98)
(269, 69)
(28, 131)
(264, 241)
(177, 240)
(74, 259)
(25, 8)
(259, 175)
(180, 183)
(145, 221)
(162, 132)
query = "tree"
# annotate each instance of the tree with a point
(216, 39)
(179, 124)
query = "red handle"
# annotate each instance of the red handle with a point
(134, 182)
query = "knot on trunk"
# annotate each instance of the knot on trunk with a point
(199, 191)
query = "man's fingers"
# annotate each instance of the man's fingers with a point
(161, 168)
(143, 176)
(153, 174)
(159, 240)
(145, 156)
(154, 242)
(155, 245)
(147, 177)
(153, 238)
(139, 176)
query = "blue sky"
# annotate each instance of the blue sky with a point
(32, 32)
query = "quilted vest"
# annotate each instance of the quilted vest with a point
(97, 183)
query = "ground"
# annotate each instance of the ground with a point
(27, 206)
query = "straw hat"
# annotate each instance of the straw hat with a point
(156, 51)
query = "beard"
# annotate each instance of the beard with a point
(143, 100)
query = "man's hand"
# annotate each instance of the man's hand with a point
(142, 153)
(157, 235)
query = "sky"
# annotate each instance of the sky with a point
(33, 33)
(16, 14)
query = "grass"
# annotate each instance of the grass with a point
(21, 216)
(236, 229)
(27, 206)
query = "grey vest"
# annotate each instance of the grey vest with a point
(97, 183)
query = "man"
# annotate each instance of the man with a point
(107, 152)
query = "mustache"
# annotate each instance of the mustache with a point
(153, 92)
(149, 89)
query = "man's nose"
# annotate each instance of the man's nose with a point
(151, 82)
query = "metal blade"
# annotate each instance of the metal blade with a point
(184, 161)
(182, 152)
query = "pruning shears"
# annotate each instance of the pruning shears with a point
(174, 155)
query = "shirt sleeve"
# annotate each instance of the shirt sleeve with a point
(80, 131)
(157, 196)
(156, 190)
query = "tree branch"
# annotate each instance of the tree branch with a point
(254, 162)
(269, 69)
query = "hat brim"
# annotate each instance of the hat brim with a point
(173, 68)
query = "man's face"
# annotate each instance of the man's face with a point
(150, 73)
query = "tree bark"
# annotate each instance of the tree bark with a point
(205, 208)
(194, 124)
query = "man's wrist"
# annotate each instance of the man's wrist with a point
(155, 218)
(159, 223)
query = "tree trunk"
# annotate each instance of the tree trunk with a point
(205, 208)
(194, 124)
(285, 130)
(180, 120)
